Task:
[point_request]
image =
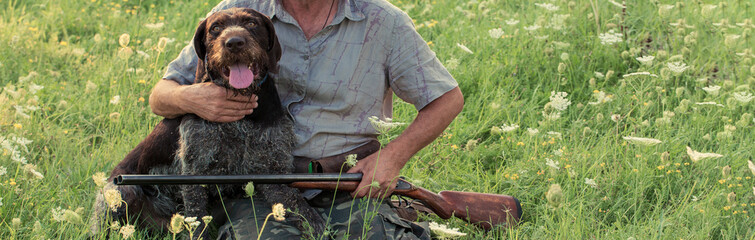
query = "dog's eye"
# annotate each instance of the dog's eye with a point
(216, 29)
(251, 24)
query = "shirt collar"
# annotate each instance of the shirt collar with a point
(348, 9)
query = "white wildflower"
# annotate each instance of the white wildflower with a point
(90, 86)
(127, 230)
(646, 60)
(28, 77)
(710, 103)
(279, 212)
(697, 156)
(591, 182)
(57, 214)
(351, 160)
(664, 10)
(712, 90)
(639, 74)
(99, 179)
(464, 48)
(751, 165)
(677, 67)
(610, 38)
(1, 201)
(113, 199)
(534, 27)
(443, 232)
(542, 37)
(452, 63)
(553, 164)
(31, 169)
(34, 88)
(97, 38)
(154, 26)
(556, 135)
(532, 131)
(509, 128)
(547, 6)
(743, 97)
(559, 101)
(3, 170)
(143, 54)
(383, 126)
(115, 100)
(512, 22)
(620, 5)
(550, 116)
(642, 141)
(599, 75)
(600, 97)
(561, 45)
(558, 152)
(495, 33)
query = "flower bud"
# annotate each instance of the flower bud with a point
(249, 189)
(661, 55)
(731, 198)
(680, 91)
(665, 156)
(124, 39)
(609, 74)
(665, 10)
(554, 195)
(561, 67)
(726, 171)
(176, 223)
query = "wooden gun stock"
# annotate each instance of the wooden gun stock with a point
(482, 209)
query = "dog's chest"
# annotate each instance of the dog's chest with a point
(241, 147)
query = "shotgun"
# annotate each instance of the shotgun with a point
(482, 209)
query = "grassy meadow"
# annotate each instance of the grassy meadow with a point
(607, 121)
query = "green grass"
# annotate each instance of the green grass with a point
(641, 191)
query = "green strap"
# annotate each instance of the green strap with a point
(309, 168)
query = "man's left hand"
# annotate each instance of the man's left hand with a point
(382, 168)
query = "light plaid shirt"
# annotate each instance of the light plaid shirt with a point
(344, 74)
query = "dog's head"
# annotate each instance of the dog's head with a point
(237, 48)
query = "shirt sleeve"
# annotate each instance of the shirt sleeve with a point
(415, 73)
(183, 68)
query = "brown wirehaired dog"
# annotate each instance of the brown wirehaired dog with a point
(237, 49)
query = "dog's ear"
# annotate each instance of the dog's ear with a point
(273, 46)
(199, 36)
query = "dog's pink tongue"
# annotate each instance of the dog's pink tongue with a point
(241, 76)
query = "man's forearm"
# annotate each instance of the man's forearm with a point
(163, 99)
(427, 126)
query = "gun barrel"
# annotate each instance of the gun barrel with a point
(136, 179)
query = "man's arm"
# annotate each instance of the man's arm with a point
(208, 101)
(384, 166)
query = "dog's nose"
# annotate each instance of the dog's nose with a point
(235, 43)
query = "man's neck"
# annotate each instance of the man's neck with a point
(312, 15)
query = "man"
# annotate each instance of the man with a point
(342, 61)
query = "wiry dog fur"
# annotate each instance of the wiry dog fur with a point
(260, 143)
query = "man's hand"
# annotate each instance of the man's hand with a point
(383, 168)
(206, 100)
(216, 104)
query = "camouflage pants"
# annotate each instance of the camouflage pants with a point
(347, 218)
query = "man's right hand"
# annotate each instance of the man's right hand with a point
(206, 100)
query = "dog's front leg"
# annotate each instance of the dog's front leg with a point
(195, 205)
